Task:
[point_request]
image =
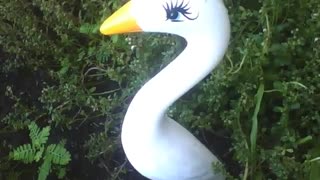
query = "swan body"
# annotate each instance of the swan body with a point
(156, 145)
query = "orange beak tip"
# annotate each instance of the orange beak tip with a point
(121, 21)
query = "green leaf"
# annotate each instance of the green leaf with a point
(93, 89)
(254, 127)
(38, 137)
(44, 169)
(34, 132)
(295, 106)
(39, 153)
(43, 135)
(115, 38)
(315, 170)
(58, 154)
(65, 66)
(89, 28)
(25, 153)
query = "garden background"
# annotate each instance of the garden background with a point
(64, 90)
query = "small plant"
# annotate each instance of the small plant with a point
(53, 156)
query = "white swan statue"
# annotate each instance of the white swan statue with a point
(156, 145)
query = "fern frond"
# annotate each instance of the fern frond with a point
(37, 136)
(39, 153)
(44, 169)
(34, 131)
(25, 153)
(58, 154)
(43, 135)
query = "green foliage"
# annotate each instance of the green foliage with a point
(54, 153)
(44, 169)
(25, 153)
(57, 69)
(57, 154)
(254, 126)
(38, 136)
(277, 47)
(99, 144)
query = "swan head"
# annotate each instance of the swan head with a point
(181, 17)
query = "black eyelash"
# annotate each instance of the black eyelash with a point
(174, 10)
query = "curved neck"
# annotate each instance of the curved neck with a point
(199, 58)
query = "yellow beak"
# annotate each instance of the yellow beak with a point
(120, 22)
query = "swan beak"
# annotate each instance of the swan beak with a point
(121, 21)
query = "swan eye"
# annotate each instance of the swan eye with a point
(176, 12)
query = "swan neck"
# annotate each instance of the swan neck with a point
(149, 106)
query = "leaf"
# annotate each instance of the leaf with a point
(63, 70)
(315, 163)
(93, 89)
(34, 131)
(314, 172)
(38, 154)
(43, 135)
(25, 153)
(58, 154)
(44, 169)
(254, 128)
(89, 28)
(295, 106)
(114, 38)
(65, 63)
(38, 137)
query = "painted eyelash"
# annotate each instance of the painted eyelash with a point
(174, 10)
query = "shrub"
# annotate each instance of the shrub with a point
(57, 69)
